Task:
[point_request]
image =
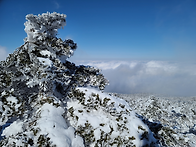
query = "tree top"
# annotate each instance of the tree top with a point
(43, 26)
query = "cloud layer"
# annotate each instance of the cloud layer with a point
(3, 53)
(152, 77)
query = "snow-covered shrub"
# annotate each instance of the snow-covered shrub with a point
(43, 101)
(173, 120)
(104, 120)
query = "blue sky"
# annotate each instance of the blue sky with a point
(149, 35)
(110, 29)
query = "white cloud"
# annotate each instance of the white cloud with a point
(57, 6)
(157, 77)
(3, 53)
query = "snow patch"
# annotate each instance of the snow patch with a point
(45, 61)
(13, 129)
(45, 53)
(53, 124)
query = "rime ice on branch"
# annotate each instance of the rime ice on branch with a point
(43, 26)
(42, 30)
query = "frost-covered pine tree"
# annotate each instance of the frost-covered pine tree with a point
(46, 100)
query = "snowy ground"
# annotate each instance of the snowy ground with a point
(177, 115)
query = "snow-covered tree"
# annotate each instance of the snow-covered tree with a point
(46, 100)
